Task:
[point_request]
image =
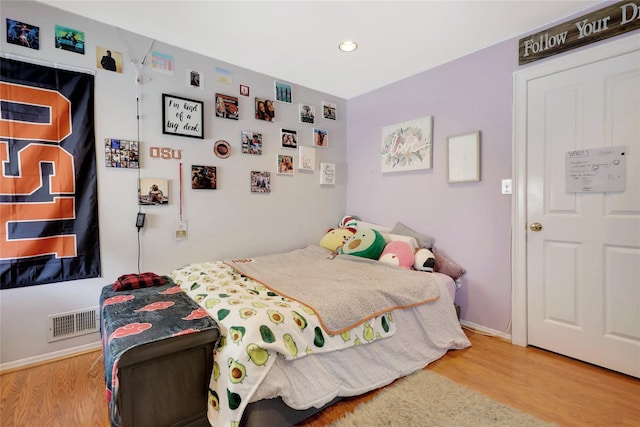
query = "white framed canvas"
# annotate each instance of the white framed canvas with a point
(463, 157)
(407, 146)
(327, 173)
(306, 158)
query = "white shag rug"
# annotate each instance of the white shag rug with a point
(428, 399)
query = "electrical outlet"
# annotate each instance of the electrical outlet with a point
(506, 186)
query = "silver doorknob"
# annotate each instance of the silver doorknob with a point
(535, 226)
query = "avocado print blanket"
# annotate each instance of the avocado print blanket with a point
(257, 323)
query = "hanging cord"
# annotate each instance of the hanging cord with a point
(139, 80)
(139, 158)
(180, 191)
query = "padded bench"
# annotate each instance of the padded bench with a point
(158, 354)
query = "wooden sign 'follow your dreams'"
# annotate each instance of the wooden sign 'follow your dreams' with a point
(610, 21)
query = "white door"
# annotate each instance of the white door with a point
(583, 265)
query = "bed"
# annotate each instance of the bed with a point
(285, 351)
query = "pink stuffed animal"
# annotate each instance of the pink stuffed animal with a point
(398, 253)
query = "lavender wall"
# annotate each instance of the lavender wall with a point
(471, 221)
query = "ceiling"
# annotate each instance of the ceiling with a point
(297, 41)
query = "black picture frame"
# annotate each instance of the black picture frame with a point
(182, 116)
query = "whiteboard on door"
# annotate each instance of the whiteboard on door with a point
(596, 170)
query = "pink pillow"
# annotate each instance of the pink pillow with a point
(446, 265)
(398, 253)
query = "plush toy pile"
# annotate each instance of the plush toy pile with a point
(406, 249)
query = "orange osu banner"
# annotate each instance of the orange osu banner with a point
(48, 183)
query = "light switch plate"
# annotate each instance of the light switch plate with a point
(506, 186)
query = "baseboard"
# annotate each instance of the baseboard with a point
(49, 357)
(484, 330)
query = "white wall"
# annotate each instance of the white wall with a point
(227, 222)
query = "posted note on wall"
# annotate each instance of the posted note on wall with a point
(596, 170)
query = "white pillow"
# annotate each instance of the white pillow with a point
(390, 237)
(380, 228)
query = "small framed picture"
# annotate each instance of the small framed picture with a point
(251, 142)
(327, 173)
(265, 110)
(307, 113)
(203, 177)
(227, 106)
(307, 158)
(153, 191)
(328, 110)
(223, 76)
(244, 90)
(162, 63)
(289, 138)
(283, 92)
(285, 164)
(195, 79)
(108, 59)
(320, 138)
(23, 34)
(69, 39)
(120, 153)
(260, 182)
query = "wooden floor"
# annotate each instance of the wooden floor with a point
(554, 388)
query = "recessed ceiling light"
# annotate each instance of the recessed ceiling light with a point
(348, 46)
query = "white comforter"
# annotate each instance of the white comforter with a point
(424, 334)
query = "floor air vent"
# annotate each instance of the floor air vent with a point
(73, 323)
